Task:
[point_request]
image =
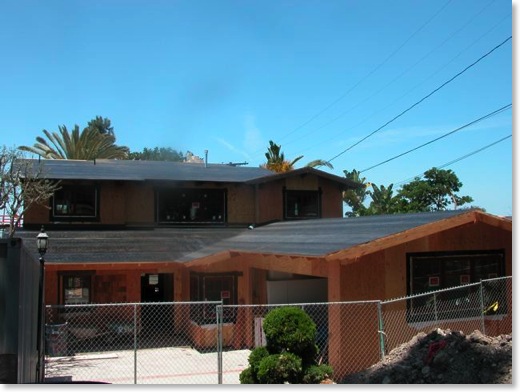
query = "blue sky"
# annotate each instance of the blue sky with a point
(352, 81)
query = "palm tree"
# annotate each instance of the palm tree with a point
(87, 144)
(102, 124)
(383, 200)
(276, 160)
(355, 198)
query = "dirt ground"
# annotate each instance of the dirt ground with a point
(444, 357)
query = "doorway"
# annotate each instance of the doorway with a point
(155, 317)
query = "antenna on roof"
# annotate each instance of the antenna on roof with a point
(205, 158)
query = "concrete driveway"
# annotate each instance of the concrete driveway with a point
(169, 365)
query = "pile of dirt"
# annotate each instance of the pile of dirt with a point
(444, 357)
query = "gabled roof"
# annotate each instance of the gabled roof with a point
(305, 171)
(133, 170)
(323, 237)
(314, 238)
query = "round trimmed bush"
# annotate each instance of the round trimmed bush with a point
(246, 376)
(317, 373)
(291, 329)
(280, 368)
(254, 359)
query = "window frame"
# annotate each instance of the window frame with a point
(301, 214)
(205, 314)
(464, 294)
(181, 205)
(75, 190)
(64, 276)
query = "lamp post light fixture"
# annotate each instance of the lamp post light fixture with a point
(42, 243)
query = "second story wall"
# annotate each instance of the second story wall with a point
(147, 203)
(241, 204)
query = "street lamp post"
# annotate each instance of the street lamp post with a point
(42, 242)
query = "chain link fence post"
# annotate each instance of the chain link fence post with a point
(482, 310)
(220, 318)
(135, 343)
(381, 330)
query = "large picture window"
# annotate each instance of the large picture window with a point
(302, 204)
(429, 272)
(191, 206)
(75, 201)
(213, 288)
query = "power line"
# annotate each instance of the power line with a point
(340, 98)
(459, 159)
(408, 70)
(423, 99)
(494, 113)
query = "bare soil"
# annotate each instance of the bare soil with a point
(444, 357)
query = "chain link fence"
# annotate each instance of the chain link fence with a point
(136, 343)
(209, 343)
(486, 306)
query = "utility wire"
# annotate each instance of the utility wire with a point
(408, 70)
(423, 99)
(319, 113)
(459, 159)
(494, 113)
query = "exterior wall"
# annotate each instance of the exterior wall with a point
(302, 183)
(37, 214)
(270, 202)
(382, 275)
(241, 204)
(132, 203)
(389, 265)
(112, 200)
(332, 200)
(115, 283)
(139, 206)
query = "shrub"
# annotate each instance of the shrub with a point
(255, 358)
(317, 373)
(291, 329)
(280, 368)
(290, 353)
(246, 377)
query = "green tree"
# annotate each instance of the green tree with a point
(383, 200)
(87, 144)
(102, 125)
(436, 192)
(276, 160)
(355, 198)
(158, 154)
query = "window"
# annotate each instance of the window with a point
(436, 271)
(191, 206)
(75, 201)
(76, 289)
(302, 204)
(213, 288)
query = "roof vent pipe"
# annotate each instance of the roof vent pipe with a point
(205, 158)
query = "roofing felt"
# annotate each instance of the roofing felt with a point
(317, 237)
(135, 170)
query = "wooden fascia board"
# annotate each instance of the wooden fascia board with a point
(349, 255)
(211, 259)
(129, 265)
(495, 221)
(297, 264)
